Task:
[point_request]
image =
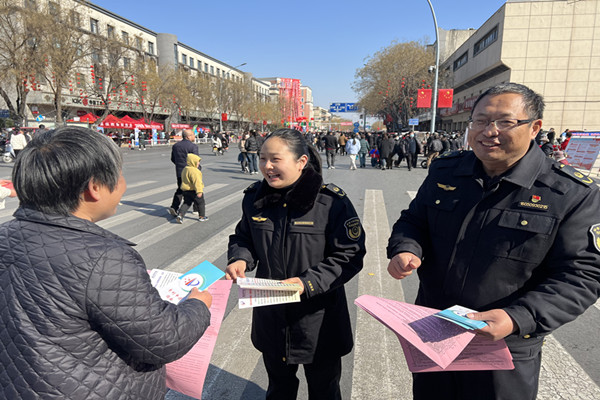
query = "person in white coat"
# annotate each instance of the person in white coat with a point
(352, 149)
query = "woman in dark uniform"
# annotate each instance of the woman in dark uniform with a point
(296, 229)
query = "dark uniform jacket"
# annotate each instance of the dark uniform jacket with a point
(79, 318)
(331, 142)
(312, 232)
(526, 242)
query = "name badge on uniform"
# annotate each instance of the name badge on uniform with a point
(304, 223)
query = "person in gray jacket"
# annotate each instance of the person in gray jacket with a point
(79, 317)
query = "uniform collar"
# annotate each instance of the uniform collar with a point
(523, 174)
(302, 194)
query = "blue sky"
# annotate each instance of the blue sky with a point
(322, 43)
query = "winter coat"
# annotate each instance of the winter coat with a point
(352, 148)
(191, 176)
(253, 144)
(386, 147)
(364, 146)
(79, 317)
(179, 154)
(311, 232)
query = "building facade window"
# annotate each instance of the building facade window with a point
(126, 62)
(462, 60)
(218, 72)
(138, 43)
(75, 18)
(176, 54)
(53, 8)
(125, 37)
(191, 62)
(212, 70)
(30, 5)
(184, 58)
(151, 48)
(206, 68)
(110, 31)
(94, 26)
(486, 41)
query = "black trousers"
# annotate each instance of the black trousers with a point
(520, 383)
(410, 161)
(178, 196)
(330, 157)
(323, 378)
(189, 198)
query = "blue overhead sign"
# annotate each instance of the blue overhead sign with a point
(343, 107)
(337, 107)
(413, 121)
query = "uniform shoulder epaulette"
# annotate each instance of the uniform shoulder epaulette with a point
(334, 189)
(573, 173)
(252, 187)
(451, 154)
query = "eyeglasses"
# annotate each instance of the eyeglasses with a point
(501, 125)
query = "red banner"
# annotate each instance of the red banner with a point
(445, 98)
(424, 98)
(224, 117)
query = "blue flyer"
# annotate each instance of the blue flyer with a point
(201, 276)
(458, 315)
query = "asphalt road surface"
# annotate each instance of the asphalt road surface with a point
(376, 368)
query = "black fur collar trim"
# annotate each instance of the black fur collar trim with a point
(301, 195)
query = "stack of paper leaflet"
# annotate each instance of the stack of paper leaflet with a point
(433, 344)
(256, 292)
(187, 374)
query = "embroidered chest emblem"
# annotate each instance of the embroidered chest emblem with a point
(447, 188)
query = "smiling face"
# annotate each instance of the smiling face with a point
(279, 165)
(500, 150)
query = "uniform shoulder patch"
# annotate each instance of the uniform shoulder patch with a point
(595, 231)
(334, 189)
(573, 173)
(353, 228)
(451, 154)
(252, 187)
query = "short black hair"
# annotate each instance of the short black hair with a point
(533, 102)
(56, 167)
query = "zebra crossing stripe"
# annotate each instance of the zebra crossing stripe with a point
(380, 370)
(154, 235)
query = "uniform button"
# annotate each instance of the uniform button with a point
(437, 202)
(285, 204)
(526, 336)
(283, 359)
(524, 222)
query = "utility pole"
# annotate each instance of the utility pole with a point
(437, 68)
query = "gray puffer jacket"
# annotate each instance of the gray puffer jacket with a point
(79, 317)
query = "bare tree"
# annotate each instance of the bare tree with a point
(153, 88)
(19, 44)
(389, 81)
(63, 47)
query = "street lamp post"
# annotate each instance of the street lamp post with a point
(221, 94)
(437, 67)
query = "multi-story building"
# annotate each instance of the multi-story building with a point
(322, 118)
(306, 106)
(552, 46)
(286, 93)
(143, 45)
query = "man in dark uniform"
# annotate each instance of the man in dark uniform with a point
(506, 231)
(179, 154)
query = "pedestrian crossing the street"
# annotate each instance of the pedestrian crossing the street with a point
(378, 368)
